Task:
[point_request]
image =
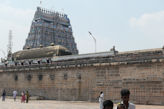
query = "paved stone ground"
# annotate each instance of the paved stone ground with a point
(49, 104)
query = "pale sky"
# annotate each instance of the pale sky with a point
(127, 24)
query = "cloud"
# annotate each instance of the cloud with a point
(151, 24)
(15, 19)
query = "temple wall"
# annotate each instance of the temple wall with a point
(145, 81)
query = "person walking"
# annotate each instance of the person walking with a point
(23, 97)
(14, 94)
(27, 96)
(3, 95)
(101, 99)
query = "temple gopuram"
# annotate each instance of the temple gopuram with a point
(50, 27)
(53, 70)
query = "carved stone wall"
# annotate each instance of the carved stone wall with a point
(83, 77)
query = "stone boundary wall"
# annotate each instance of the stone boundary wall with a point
(84, 78)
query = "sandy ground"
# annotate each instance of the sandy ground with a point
(49, 104)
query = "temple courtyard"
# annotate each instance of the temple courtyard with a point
(50, 104)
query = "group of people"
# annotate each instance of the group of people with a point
(124, 104)
(24, 96)
(107, 104)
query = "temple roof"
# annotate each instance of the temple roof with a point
(43, 52)
(141, 53)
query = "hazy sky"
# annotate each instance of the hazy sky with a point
(127, 24)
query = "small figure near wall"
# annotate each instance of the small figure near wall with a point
(101, 99)
(3, 95)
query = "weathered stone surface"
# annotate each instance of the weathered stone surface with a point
(82, 77)
(44, 52)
